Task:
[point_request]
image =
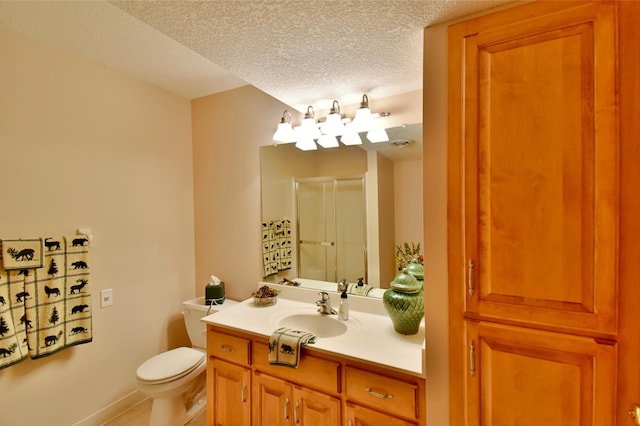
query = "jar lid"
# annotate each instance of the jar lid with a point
(416, 269)
(405, 283)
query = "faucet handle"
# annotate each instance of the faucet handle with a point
(324, 295)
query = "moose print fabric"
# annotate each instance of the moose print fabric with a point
(13, 336)
(50, 306)
(22, 254)
(285, 344)
(276, 246)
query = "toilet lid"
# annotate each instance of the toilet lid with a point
(176, 362)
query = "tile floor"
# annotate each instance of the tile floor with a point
(139, 416)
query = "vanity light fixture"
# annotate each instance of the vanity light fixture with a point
(333, 125)
(285, 133)
(306, 145)
(377, 134)
(308, 129)
(349, 137)
(327, 132)
(328, 141)
(363, 121)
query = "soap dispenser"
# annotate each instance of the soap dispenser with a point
(343, 309)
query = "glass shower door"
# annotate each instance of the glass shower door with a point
(331, 226)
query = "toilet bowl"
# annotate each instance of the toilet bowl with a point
(175, 379)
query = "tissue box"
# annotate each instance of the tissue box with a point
(214, 293)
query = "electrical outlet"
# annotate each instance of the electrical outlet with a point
(106, 298)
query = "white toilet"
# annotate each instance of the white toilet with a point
(175, 379)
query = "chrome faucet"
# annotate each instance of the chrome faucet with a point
(324, 304)
(342, 285)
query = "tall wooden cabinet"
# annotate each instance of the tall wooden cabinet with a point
(533, 213)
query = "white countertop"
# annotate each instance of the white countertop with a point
(369, 337)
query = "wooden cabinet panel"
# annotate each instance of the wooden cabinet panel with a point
(277, 402)
(272, 401)
(357, 415)
(531, 377)
(382, 392)
(313, 408)
(231, 394)
(230, 348)
(318, 373)
(536, 170)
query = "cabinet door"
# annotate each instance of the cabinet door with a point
(533, 165)
(519, 376)
(231, 394)
(272, 401)
(357, 415)
(313, 408)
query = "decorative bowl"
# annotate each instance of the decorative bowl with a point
(265, 301)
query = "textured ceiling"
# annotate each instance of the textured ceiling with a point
(302, 52)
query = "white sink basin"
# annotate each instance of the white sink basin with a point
(318, 324)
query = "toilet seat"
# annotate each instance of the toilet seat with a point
(170, 365)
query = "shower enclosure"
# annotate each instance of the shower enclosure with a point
(331, 228)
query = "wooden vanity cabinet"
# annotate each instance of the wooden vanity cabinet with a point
(244, 389)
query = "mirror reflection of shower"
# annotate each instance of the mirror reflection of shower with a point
(331, 228)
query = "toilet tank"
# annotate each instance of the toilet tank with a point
(193, 312)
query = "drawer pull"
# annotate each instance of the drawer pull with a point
(378, 394)
(227, 348)
(243, 398)
(295, 413)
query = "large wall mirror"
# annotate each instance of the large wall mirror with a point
(339, 213)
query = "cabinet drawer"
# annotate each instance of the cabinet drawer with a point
(312, 372)
(382, 392)
(230, 348)
(358, 415)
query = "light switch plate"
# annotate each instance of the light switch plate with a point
(106, 298)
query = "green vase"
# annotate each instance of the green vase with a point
(404, 303)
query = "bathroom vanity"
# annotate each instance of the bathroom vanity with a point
(357, 372)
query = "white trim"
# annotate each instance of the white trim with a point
(114, 409)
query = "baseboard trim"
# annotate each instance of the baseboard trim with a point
(113, 410)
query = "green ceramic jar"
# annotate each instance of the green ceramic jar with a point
(404, 303)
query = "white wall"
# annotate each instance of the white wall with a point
(82, 146)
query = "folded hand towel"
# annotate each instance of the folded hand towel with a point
(285, 344)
